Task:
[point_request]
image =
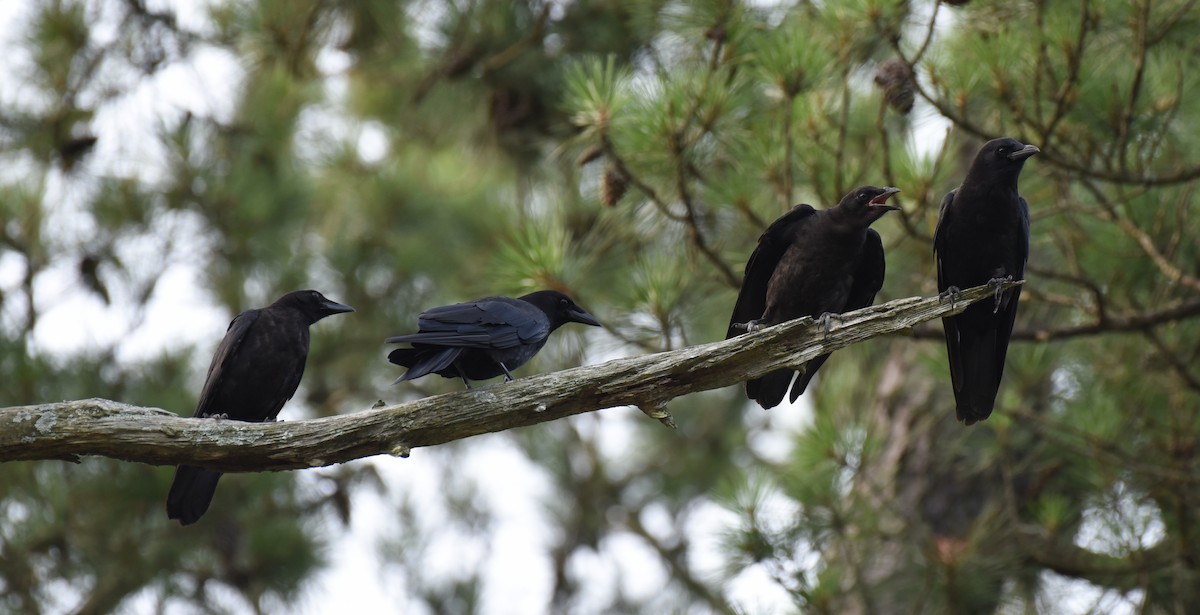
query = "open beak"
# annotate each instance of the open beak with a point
(583, 317)
(880, 202)
(333, 307)
(1024, 152)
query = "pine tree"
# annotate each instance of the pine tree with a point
(401, 155)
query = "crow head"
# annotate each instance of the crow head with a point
(560, 308)
(1002, 157)
(866, 204)
(312, 304)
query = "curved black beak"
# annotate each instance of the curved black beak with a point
(583, 317)
(1024, 152)
(880, 202)
(333, 307)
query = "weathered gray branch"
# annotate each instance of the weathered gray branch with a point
(70, 429)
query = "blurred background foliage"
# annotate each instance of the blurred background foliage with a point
(166, 165)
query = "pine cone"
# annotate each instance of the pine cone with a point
(896, 79)
(613, 187)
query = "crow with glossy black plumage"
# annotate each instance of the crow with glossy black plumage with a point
(255, 371)
(485, 338)
(982, 237)
(811, 263)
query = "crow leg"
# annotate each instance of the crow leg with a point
(950, 293)
(215, 416)
(462, 374)
(508, 377)
(826, 321)
(748, 327)
(999, 284)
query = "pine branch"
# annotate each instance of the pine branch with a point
(71, 429)
(1123, 573)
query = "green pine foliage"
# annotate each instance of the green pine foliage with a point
(399, 155)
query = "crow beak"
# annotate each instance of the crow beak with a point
(333, 307)
(880, 202)
(583, 317)
(1024, 152)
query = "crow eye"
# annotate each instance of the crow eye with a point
(564, 303)
(1001, 151)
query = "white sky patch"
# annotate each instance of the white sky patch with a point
(751, 588)
(1069, 596)
(638, 583)
(515, 567)
(71, 321)
(373, 143)
(1122, 522)
(203, 323)
(205, 85)
(334, 63)
(517, 573)
(928, 125)
(357, 580)
(772, 433)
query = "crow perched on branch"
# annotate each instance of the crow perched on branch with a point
(982, 237)
(811, 263)
(255, 371)
(485, 338)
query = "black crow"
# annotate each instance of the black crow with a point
(255, 371)
(811, 263)
(982, 237)
(484, 338)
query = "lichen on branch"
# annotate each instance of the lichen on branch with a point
(73, 429)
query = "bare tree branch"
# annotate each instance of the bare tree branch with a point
(1120, 572)
(1125, 322)
(70, 429)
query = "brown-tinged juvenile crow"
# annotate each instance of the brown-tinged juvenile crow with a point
(485, 338)
(811, 263)
(982, 237)
(255, 371)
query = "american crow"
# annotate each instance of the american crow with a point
(983, 237)
(811, 263)
(484, 338)
(255, 371)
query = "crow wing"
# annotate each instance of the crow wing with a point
(1007, 314)
(772, 244)
(226, 351)
(868, 273)
(868, 279)
(486, 324)
(940, 248)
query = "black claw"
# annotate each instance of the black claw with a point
(748, 327)
(950, 293)
(999, 284)
(826, 321)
